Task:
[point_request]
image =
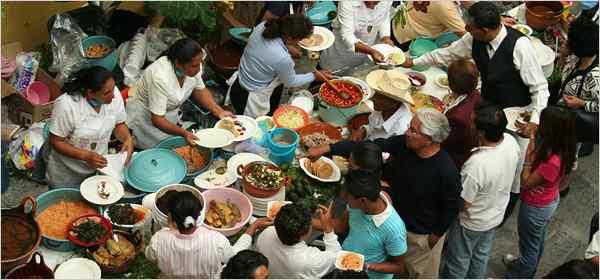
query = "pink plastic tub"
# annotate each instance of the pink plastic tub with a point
(235, 197)
(37, 93)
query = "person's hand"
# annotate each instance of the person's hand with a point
(259, 224)
(377, 56)
(387, 40)
(508, 21)
(573, 102)
(316, 152)
(190, 138)
(325, 217)
(94, 160)
(526, 129)
(358, 134)
(432, 239)
(530, 153)
(323, 75)
(225, 114)
(128, 148)
(408, 62)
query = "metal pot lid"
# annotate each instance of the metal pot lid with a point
(152, 169)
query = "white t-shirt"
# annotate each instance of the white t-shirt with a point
(487, 177)
(594, 247)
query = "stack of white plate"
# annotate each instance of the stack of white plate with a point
(259, 205)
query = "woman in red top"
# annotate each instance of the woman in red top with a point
(550, 156)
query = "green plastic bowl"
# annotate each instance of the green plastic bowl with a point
(422, 46)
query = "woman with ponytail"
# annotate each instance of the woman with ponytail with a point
(155, 102)
(266, 65)
(186, 249)
(82, 122)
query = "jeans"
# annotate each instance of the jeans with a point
(532, 228)
(466, 252)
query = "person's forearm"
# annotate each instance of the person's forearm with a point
(166, 126)
(206, 100)
(361, 47)
(121, 132)
(66, 149)
(386, 267)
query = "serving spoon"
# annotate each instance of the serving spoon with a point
(342, 93)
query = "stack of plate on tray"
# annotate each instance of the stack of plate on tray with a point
(259, 205)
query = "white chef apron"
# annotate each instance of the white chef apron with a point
(258, 103)
(147, 135)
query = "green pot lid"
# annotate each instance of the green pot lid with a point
(152, 169)
(319, 13)
(240, 33)
(422, 46)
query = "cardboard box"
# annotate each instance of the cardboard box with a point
(21, 111)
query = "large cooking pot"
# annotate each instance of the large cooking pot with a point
(541, 14)
(255, 191)
(21, 234)
(34, 269)
(335, 114)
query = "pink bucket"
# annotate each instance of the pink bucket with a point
(37, 93)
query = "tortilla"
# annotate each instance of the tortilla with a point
(313, 41)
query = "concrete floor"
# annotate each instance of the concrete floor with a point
(567, 237)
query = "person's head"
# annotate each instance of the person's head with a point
(292, 223)
(187, 56)
(428, 127)
(290, 28)
(462, 76)
(371, 4)
(489, 121)
(366, 156)
(360, 189)
(483, 21)
(246, 264)
(574, 269)
(346, 274)
(383, 103)
(583, 37)
(556, 135)
(184, 209)
(94, 83)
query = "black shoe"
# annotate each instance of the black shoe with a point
(586, 149)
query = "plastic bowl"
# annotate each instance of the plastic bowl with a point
(109, 61)
(37, 93)
(103, 221)
(288, 135)
(284, 109)
(178, 141)
(282, 158)
(235, 197)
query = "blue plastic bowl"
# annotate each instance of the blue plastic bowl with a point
(282, 158)
(178, 141)
(109, 61)
(50, 198)
(285, 133)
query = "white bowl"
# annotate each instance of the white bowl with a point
(336, 175)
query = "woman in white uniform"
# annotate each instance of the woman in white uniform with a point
(357, 27)
(266, 65)
(154, 109)
(81, 125)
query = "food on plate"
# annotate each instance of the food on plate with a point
(443, 80)
(234, 126)
(342, 163)
(103, 190)
(124, 214)
(351, 261)
(319, 168)
(192, 156)
(313, 41)
(422, 100)
(115, 253)
(88, 229)
(55, 219)
(222, 214)
(316, 139)
(521, 29)
(265, 177)
(291, 119)
(163, 202)
(395, 58)
(97, 51)
(417, 77)
(217, 177)
(332, 98)
(525, 116)
(275, 207)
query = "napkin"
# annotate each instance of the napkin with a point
(115, 166)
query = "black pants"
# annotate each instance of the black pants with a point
(239, 98)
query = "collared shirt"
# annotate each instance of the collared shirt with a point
(266, 59)
(197, 255)
(298, 261)
(397, 124)
(486, 181)
(376, 236)
(441, 16)
(529, 68)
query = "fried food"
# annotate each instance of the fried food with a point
(234, 126)
(319, 168)
(192, 156)
(222, 214)
(351, 262)
(97, 51)
(115, 253)
(525, 116)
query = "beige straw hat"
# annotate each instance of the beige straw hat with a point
(391, 83)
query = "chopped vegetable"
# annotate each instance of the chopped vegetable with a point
(89, 230)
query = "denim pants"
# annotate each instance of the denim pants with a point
(466, 252)
(532, 227)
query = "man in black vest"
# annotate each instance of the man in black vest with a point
(510, 73)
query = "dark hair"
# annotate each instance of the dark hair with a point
(346, 274)
(368, 156)
(574, 269)
(296, 26)
(183, 51)
(462, 76)
(556, 135)
(243, 265)
(362, 183)
(484, 14)
(182, 205)
(583, 37)
(490, 119)
(91, 78)
(292, 222)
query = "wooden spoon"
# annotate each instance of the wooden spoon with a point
(342, 93)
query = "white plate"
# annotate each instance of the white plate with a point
(89, 190)
(271, 204)
(211, 180)
(335, 175)
(214, 138)
(341, 254)
(78, 268)
(248, 123)
(367, 91)
(512, 115)
(526, 27)
(241, 159)
(386, 50)
(328, 39)
(437, 80)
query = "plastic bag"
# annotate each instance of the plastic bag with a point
(27, 65)
(160, 39)
(66, 37)
(136, 56)
(25, 148)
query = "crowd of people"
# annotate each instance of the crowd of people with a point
(428, 210)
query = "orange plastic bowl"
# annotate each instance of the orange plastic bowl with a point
(283, 110)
